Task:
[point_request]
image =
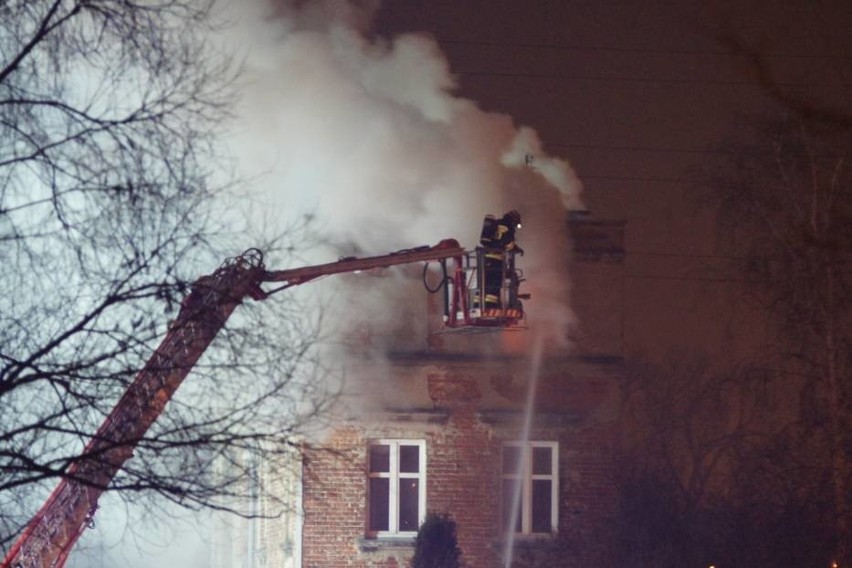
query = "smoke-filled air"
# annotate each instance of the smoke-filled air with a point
(367, 135)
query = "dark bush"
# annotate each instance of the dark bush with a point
(436, 545)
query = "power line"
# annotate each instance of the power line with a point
(754, 258)
(656, 149)
(734, 151)
(642, 179)
(658, 51)
(625, 79)
(692, 255)
(689, 278)
(684, 278)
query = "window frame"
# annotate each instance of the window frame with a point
(528, 477)
(394, 476)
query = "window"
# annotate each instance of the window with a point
(530, 476)
(396, 489)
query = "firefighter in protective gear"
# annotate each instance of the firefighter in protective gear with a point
(499, 234)
(498, 238)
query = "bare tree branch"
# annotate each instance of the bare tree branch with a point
(108, 213)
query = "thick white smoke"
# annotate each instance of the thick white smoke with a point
(368, 135)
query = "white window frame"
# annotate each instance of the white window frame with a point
(394, 475)
(527, 478)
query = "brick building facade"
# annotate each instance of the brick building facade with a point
(447, 432)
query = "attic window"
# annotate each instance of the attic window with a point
(396, 487)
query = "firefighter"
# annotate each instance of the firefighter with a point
(498, 238)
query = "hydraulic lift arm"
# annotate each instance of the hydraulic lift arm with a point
(49, 537)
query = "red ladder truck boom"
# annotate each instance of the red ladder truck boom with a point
(49, 537)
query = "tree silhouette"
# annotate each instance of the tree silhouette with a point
(108, 211)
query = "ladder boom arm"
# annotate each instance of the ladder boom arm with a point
(52, 532)
(445, 249)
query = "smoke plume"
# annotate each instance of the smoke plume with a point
(368, 135)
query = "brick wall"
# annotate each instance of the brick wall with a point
(463, 452)
(334, 501)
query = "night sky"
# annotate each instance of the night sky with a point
(640, 97)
